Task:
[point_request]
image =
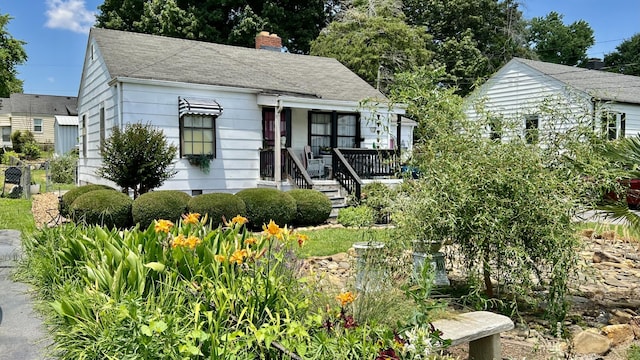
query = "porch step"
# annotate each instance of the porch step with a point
(335, 193)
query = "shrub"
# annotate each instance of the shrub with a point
(20, 138)
(107, 208)
(70, 196)
(217, 206)
(156, 205)
(31, 150)
(313, 207)
(6, 157)
(376, 195)
(358, 216)
(63, 169)
(138, 158)
(264, 204)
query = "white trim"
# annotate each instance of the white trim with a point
(183, 85)
(322, 104)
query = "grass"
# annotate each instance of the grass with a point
(324, 242)
(40, 177)
(16, 215)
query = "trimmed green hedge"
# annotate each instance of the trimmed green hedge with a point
(217, 206)
(70, 196)
(161, 204)
(313, 207)
(102, 207)
(265, 204)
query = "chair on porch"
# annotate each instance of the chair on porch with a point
(315, 166)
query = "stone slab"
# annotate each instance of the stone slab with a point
(472, 326)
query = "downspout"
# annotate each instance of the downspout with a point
(277, 150)
(120, 99)
(593, 114)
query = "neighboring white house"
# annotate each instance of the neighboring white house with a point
(520, 90)
(221, 101)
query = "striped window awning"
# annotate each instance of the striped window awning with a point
(199, 107)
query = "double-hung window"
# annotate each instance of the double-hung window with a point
(37, 125)
(531, 129)
(6, 134)
(613, 125)
(198, 126)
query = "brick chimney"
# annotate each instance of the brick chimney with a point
(267, 41)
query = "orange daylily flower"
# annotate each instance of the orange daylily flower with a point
(163, 226)
(219, 258)
(250, 241)
(190, 218)
(272, 229)
(238, 256)
(178, 241)
(302, 238)
(345, 298)
(239, 220)
(192, 242)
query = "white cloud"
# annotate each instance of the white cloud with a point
(69, 15)
(51, 79)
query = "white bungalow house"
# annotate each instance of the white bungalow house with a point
(221, 101)
(521, 90)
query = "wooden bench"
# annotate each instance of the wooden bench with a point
(481, 329)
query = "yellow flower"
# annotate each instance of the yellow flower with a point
(302, 238)
(272, 229)
(239, 220)
(190, 218)
(163, 226)
(345, 298)
(178, 241)
(238, 256)
(219, 258)
(250, 241)
(192, 242)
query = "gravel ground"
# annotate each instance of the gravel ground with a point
(45, 210)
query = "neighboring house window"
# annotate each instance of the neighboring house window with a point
(37, 125)
(6, 134)
(613, 125)
(320, 132)
(495, 129)
(531, 129)
(197, 135)
(84, 135)
(198, 126)
(102, 128)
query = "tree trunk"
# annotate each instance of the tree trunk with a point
(486, 272)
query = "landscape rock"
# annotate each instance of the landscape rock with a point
(618, 334)
(588, 342)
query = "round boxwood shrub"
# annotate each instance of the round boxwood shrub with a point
(70, 196)
(217, 206)
(156, 205)
(264, 204)
(102, 207)
(313, 207)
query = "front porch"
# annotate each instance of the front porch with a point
(350, 167)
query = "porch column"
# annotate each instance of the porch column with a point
(399, 133)
(277, 150)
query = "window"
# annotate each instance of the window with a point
(613, 125)
(328, 130)
(197, 135)
(102, 129)
(6, 134)
(347, 130)
(198, 126)
(495, 128)
(531, 129)
(37, 125)
(268, 127)
(84, 135)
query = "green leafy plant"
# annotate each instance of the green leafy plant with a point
(156, 205)
(357, 216)
(70, 196)
(31, 150)
(20, 138)
(312, 206)
(63, 168)
(218, 206)
(203, 161)
(265, 204)
(104, 207)
(137, 159)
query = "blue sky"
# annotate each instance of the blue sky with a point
(56, 33)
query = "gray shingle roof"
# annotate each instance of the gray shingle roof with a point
(146, 56)
(600, 84)
(43, 104)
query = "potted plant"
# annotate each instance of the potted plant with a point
(325, 150)
(34, 188)
(200, 160)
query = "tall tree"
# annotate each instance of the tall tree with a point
(372, 39)
(626, 58)
(555, 42)
(12, 54)
(472, 39)
(233, 22)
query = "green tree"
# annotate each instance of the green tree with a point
(137, 158)
(373, 40)
(626, 58)
(472, 39)
(12, 54)
(233, 22)
(555, 42)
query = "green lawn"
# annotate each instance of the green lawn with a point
(324, 242)
(16, 214)
(39, 176)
